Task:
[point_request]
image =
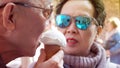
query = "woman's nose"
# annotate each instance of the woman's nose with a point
(72, 28)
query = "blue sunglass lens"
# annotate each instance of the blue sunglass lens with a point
(82, 22)
(62, 20)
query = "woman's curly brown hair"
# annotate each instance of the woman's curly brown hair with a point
(100, 13)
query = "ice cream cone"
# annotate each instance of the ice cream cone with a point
(51, 50)
(53, 41)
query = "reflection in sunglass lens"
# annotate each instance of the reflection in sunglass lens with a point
(62, 21)
(82, 22)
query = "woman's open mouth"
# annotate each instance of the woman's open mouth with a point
(71, 41)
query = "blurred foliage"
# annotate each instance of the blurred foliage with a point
(112, 8)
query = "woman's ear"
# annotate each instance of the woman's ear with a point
(99, 30)
(7, 14)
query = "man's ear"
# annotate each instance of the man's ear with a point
(99, 30)
(8, 17)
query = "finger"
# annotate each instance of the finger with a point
(42, 56)
(61, 64)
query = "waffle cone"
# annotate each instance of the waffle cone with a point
(51, 50)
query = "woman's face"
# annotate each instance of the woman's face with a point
(78, 41)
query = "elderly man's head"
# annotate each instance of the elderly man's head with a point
(21, 23)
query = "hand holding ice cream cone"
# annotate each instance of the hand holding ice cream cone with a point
(53, 40)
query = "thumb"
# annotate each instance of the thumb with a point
(42, 56)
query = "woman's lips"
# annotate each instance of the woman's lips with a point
(71, 41)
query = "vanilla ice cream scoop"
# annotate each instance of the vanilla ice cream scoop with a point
(53, 41)
(53, 36)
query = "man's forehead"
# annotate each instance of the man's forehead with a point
(44, 3)
(36, 2)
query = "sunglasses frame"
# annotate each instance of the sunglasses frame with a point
(71, 18)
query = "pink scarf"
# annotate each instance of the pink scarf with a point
(96, 59)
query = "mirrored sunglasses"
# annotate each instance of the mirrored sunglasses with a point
(81, 22)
